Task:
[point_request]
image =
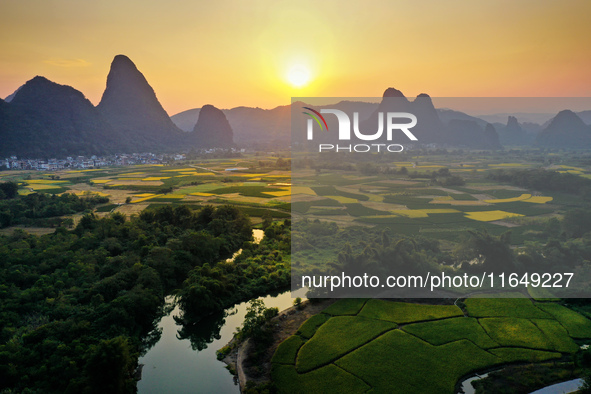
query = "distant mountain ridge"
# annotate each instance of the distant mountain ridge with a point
(44, 119)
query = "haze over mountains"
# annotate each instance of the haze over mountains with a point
(441, 126)
(45, 119)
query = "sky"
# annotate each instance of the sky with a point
(253, 53)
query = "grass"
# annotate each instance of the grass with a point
(338, 336)
(308, 329)
(329, 379)
(505, 307)
(512, 355)
(287, 350)
(399, 362)
(346, 306)
(429, 356)
(402, 312)
(515, 332)
(577, 325)
(444, 331)
(557, 335)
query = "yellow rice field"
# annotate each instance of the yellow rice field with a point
(421, 213)
(44, 181)
(500, 200)
(343, 200)
(490, 216)
(146, 198)
(89, 192)
(180, 170)
(522, 198)
(279, 193)
(43, 187)
(155, 178)
(539, 199)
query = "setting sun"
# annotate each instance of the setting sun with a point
(298, 76)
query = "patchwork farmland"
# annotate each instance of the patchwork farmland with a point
(360, 345)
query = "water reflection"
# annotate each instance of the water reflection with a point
(204, 332)
(173, 366)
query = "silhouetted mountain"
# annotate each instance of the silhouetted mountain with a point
(130, 106)
(458, 129)
(257, 126)
(429, 128)
(253, 125)
(186, 120)
(212, 129)
(9, 98)
(446, 115)
(491, 138)
(513, 133)
(47, 119)
(393, 100)
(585, 116)
(467, 133)
(566, 130)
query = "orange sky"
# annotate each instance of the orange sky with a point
(231, 53)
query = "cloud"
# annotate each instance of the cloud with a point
(67, 62)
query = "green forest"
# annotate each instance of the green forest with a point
(78, 307)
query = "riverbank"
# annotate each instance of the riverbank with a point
(285, 324)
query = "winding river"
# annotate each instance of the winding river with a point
(173, 366)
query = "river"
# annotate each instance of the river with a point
(172, 366)
(570, 386)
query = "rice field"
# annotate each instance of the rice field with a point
(155, 178)
(489, 216)
(45, 181)
(362, 344)
(342, 200)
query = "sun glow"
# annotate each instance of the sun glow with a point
(298, 76)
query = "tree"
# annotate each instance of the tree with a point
(257, 315)
(9, 190)
(110, 367)
(267, 220)
(128, 200)
(494, 253)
